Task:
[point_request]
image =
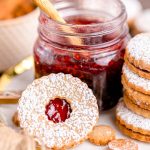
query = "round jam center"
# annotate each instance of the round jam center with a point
(58, 110)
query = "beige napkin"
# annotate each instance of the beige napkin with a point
(2, 118)
(11, 140)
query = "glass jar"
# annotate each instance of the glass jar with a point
(91, 46)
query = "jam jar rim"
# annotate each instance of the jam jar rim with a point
(122, 12)
(119, 30)
(117, 20)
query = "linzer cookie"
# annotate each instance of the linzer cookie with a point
(135, 108)
(132, 134)
(141, 73)
(133, 115)
(138, 51)
(132, 124)
(140, 99)
(59, 110)
(134, 81)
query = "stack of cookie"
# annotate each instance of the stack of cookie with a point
(133, 113)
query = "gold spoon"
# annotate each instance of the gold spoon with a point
(50, 10)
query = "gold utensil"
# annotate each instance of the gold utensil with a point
(49, 9)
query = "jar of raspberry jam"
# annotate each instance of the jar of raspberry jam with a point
(90, 46)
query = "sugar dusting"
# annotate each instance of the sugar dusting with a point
(82, 119)
(135, 79)
(131, 118)
(139, 47)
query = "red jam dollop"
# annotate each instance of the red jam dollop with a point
(58, 110)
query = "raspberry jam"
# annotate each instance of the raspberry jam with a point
(58, 110)
(97, 61)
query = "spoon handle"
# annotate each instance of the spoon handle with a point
(49, 9)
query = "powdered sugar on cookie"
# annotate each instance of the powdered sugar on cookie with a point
(135, 79)
(83, 117)
(139, 47)
(131, 118)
